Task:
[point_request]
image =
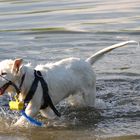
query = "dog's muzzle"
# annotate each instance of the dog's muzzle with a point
(10, 83)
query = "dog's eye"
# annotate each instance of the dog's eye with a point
(3, 73)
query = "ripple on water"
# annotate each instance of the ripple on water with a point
(47, 31)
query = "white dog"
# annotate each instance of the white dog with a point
(66, 77)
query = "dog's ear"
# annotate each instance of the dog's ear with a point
(17, 64)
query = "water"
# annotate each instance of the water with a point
(47, 31)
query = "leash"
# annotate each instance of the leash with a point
(31, 120)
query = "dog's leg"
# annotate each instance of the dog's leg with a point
(89, 96)
(31, 111)
(76, 100)
(48, 113)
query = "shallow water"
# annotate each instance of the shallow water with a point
(42, 31)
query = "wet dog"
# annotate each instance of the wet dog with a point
(66, 77)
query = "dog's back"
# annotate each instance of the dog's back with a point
(68, 76)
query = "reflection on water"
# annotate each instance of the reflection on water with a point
(106, 15)
(42, 31)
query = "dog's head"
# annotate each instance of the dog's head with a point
(9, 72)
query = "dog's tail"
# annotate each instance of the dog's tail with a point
(101, 53)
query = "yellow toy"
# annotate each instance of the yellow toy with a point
(16, 105)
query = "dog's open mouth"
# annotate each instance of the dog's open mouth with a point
(3, 88)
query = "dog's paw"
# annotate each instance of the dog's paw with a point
(22, 122)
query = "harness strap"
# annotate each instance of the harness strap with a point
(47, 99)
(10, 83)
(32, 89)
(46, 96)
(22, 80)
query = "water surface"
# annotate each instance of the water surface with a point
(42, 31)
